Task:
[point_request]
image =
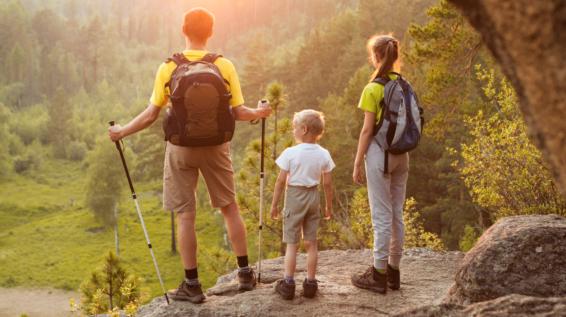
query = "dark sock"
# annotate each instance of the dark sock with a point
(242, 261)
(191, 274)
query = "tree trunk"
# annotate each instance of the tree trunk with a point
(528, 40)
(116, 236)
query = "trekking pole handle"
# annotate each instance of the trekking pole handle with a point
(112, 123)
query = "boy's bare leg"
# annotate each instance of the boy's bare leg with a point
(236, 228)
(312, 258)
(291, 259)
(187, 239)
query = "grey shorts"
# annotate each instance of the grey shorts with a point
(301, 214)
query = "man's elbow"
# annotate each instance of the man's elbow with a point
(152, 115)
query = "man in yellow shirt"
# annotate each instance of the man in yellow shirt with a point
(183, 164)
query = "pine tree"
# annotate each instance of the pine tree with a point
(248, 182)
(439, 62)
(109, 288)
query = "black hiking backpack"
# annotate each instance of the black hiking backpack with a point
(400, 125)
(201, 114)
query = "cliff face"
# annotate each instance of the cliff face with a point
(528, 39)
(425, 279)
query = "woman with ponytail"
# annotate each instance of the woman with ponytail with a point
(386, 189)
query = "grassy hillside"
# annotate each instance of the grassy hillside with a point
(48, 238)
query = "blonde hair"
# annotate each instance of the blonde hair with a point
(313, 120)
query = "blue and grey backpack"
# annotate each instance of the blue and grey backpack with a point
(400, 125)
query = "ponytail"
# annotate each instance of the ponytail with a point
(383, 49)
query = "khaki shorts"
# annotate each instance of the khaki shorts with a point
(181, 171)
(301, 213)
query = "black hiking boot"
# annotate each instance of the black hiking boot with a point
(186, 292)
(247, 280)
(309, 288)
(371, 279)
(393, 278)
(286, 290)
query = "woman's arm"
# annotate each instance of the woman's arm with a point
(327, 184)
(363, 143)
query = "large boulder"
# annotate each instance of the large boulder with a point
(507, 306)
(425, 278)
(517, 255)
(528, 39)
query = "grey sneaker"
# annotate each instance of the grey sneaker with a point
(186, 292)
(247, 280)
(286, 290)
(371, 279)
(309, 288)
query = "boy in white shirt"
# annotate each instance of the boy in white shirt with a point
(302, 167)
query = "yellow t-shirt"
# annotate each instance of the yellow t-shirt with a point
(371, 98)
(160, 95)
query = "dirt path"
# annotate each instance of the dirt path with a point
(35, 302)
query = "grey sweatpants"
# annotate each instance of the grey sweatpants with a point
(386, 195)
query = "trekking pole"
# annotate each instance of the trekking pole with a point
(134, 196)
(261, 184)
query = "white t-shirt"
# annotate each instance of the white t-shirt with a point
(305, 162)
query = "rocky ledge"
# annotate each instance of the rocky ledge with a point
(425, 279)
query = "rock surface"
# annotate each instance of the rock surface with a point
(517, 255)
(510, 305)
(425, 278)
(528, 39)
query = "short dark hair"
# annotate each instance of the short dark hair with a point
(198, 23)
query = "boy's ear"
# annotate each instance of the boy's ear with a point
(305, 129)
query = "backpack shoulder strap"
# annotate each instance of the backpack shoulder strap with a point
(178, 58)
(382, 81)
(210, 57)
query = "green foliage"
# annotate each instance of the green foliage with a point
(248, 181)
(110, 287)
(30, 124)
(59, 125)
(30, 159)
(343, 124)
(360, 218)
(5, 159)
(76, 151)
(504, 171)
(438, 60)
(415, 234)
(105, 182)
(469, 239)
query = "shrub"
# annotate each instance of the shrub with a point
(76, 151)
(469, 238)
(110, 288)
(415, 234)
